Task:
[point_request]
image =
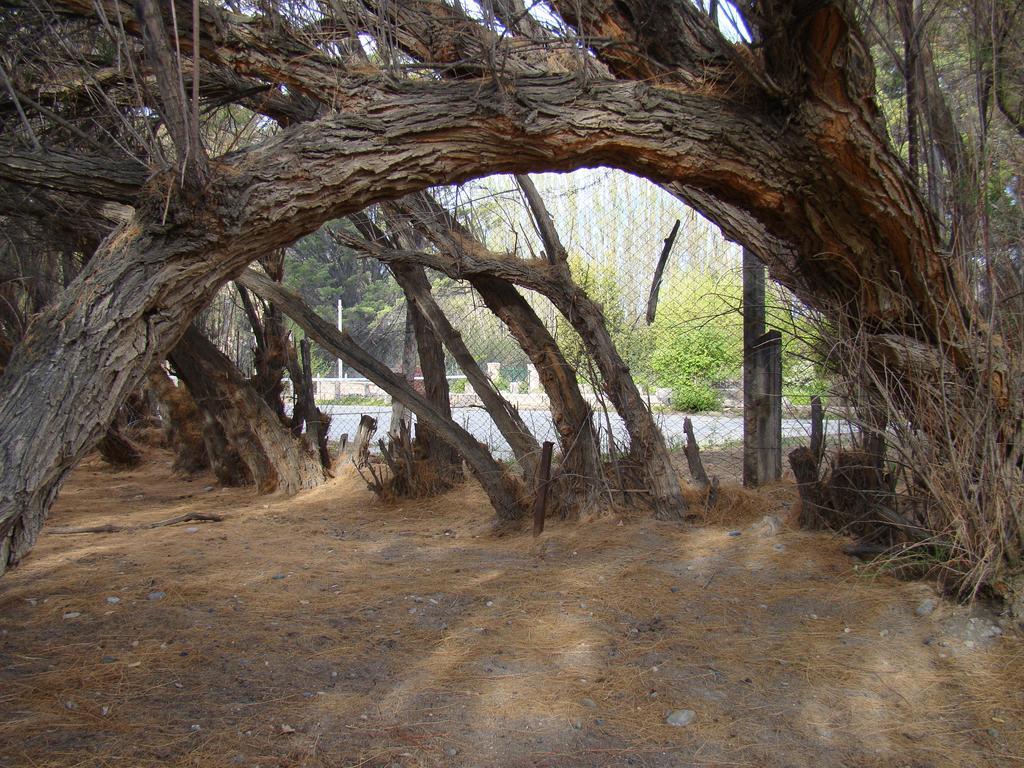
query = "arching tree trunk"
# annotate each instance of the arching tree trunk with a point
(462, 255)
(447, 463)
(780, 142)
(580, 469)
(274, 459)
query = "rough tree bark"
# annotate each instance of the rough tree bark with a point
(579, 473)
(446, 461)
(274, 459)
(779, 142)
(182, 422)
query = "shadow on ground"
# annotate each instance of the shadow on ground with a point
(331, 630)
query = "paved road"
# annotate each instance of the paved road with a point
(710, 430)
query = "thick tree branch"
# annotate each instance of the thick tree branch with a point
(99, 178)
(545, 224)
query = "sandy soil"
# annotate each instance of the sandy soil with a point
(332, 630)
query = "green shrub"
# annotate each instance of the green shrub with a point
(688, 360)
(695, 397)
(686, 354)
(457, 387)
(802, 395)
(500, 383)
(355, 400)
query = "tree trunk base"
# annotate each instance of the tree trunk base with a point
(118, 451)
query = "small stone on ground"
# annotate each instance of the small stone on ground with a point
(681, 717)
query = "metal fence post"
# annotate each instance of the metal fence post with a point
(768, 406)
(753, 329)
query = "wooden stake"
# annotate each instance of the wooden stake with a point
(541, 499)
(361, 445)
(659, 270)
(693, 460)
(753, 328)
(312, 414)
(817, 429)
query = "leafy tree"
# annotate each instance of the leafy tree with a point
(632, 338)
(323, 271)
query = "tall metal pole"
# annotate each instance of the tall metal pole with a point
(341, 366)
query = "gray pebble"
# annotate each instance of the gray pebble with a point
(113, 600)
(156, 595)
(589, 703)
(770, 525)
(108, 660)
(451, 751)
(72, 614)
(681, 717)
(735, 533)
(277, 576)
(925, 607)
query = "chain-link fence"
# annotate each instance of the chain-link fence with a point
(684, 348)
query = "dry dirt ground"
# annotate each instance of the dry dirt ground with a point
(333, 630)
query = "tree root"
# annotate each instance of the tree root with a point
(110, 528)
